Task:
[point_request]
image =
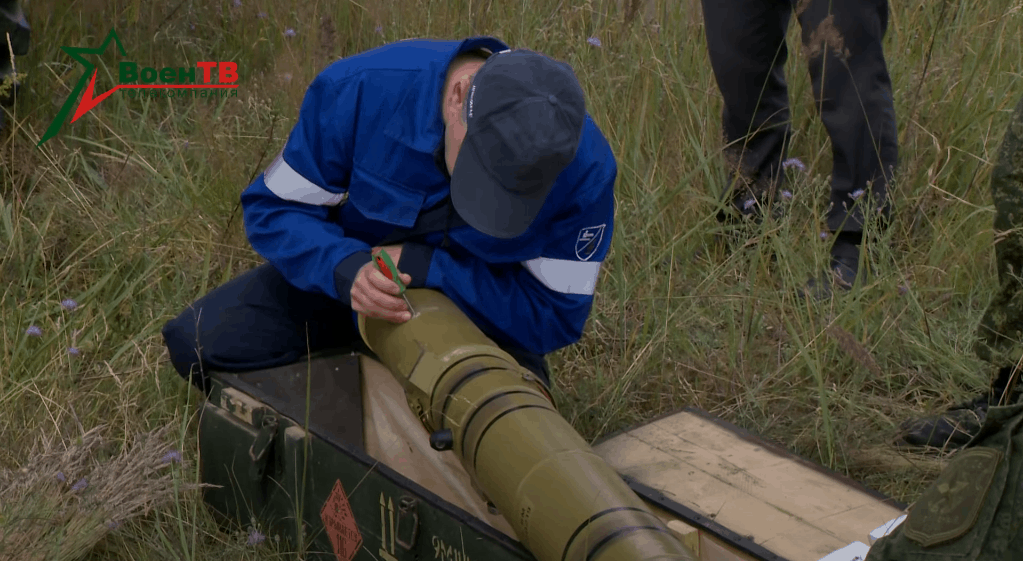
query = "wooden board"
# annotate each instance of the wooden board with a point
(705, 546)
(791, 507)
(396, 437)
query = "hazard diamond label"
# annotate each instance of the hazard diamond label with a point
(339, 524)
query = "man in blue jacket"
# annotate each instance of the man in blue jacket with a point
(474, 166)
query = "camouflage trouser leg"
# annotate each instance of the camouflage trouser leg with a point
(1000, 333)
(974, 510)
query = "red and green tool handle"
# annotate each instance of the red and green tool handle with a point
(388, 268)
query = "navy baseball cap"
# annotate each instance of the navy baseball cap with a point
(524, 116)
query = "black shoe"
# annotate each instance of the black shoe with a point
(742, 222)
(957, 425)
(845, 264)
(948, 430)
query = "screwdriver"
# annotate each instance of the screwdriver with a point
(387, 267)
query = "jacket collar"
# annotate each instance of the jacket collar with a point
(417, 122)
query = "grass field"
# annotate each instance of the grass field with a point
(132, 212)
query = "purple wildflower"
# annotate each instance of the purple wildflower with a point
(261, 15)
(379, 30)
(289, 32)
(172, 456)
(73, 351)
(34, 331)
(749, 204)
(786, 194)
(113, 524)
(237, 3)
(793, 162)
(903, 289)
(857, 194)
(824, 235)
(192, 27)
(69, 304)
(81, 484)
(60, 477)
(594, 41)
(185, 145)
(256, 537)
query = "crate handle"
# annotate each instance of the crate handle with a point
(258, 451)
(406, 504)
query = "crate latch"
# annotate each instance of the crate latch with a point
(407, 511)
(259, 451)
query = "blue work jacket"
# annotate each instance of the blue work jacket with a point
(365, 161)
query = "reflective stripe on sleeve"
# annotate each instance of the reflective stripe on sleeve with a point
(282, 180)
(569, 277)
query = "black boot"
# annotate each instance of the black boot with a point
(845, 265)
(742, 219)
(954, 427)
(948, 430)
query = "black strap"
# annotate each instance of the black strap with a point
(440, 218)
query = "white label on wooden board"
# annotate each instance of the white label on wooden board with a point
(856, 551)
(883, 531)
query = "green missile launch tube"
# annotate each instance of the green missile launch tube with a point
(562, 499)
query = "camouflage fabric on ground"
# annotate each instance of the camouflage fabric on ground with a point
(972, 512)
(1001, 329)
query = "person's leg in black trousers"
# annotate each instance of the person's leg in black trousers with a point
(746, 43)
(853, 92)
(255, 321)
(852, 89)
(258, 320)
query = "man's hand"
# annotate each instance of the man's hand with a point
(376, 296)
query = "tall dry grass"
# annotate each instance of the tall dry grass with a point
(133, 213)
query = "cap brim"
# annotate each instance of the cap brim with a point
(484, 204)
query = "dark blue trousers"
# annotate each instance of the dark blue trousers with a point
(258, 320)
(852, 90)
